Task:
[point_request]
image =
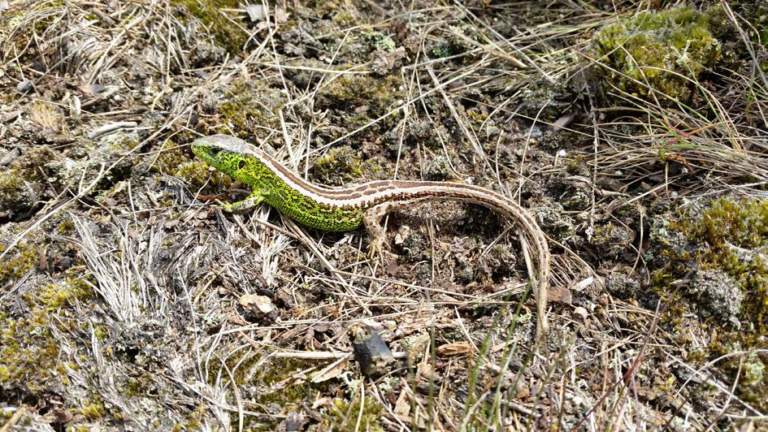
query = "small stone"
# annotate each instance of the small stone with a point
(294, 422)
(371, 351)
(258, 308)
(24, 86)
(402, 233)
(257, 303)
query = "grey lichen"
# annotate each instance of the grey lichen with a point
(718, 294)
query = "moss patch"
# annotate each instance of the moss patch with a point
(198, 174)
(338, 166)
(380, 41)
(729, 237)
(21, 260)
(94, 410)
(248, 110)
(211, 13)
(344, 415)
(29, 353)
(736, 233)
(15, 195)
(30, 357)
(28, 19)
(374, 96)
(171, 157)
(275, 383)
(657, 51)
(54, 296)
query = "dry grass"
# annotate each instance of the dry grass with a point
(167, 342)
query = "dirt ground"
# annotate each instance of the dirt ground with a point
(635, 132)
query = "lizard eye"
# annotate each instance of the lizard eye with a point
(241, 164)
(214, 151)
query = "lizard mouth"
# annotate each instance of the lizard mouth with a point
(204, 151)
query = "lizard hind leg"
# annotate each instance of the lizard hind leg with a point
(372, 221)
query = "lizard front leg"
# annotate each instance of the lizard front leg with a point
(254, 199)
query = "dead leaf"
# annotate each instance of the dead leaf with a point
(454, 348)
(403, 406)
(559, 295)
(331, 371)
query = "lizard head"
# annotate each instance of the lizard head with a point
(225, 153)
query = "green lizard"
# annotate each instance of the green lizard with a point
(346, 209)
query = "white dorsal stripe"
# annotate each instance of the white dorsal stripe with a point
(364, 195)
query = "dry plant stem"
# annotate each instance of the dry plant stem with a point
(9, 425)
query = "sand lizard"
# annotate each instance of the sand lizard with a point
(346, 209)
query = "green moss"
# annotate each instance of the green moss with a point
(54, 296)
(21, 260)
(272, 376)
(169, 159)
(93, 411)
(101, 332)
(451, 43)
(32, 164)
(273, 382)
(743, 223)
(138, 386)
(344, 17)
(731, 229)
(29, 353)
(442, 50)
(247, 110)
(14, 193)
(22, 182)
(66, 226)
(344, 416)
(650, 51)
(30, 358)
(730, 236)
(211, 13)
(748, 11)
(120, 143)
(376, 96)
(326, 8)
(380, 41)
(28, 19)
(477, 116)
(193, 422)
(198, 174)
(338, 166)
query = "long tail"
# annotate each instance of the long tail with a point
(387, 190)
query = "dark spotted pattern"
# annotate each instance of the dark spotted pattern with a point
(345, 207)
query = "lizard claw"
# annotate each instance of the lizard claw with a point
(378, 248)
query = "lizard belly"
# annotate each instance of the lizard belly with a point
(312, 214)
